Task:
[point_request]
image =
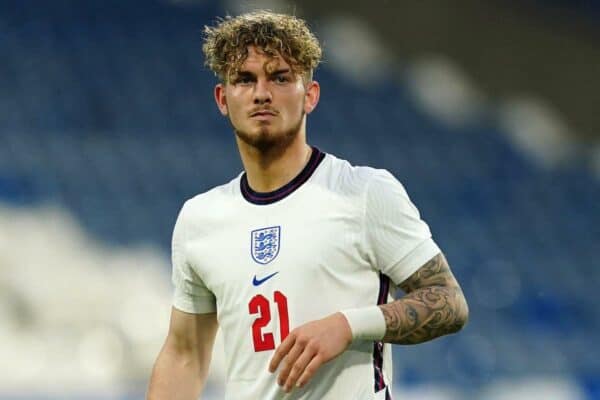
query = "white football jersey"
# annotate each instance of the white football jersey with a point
(335, 237)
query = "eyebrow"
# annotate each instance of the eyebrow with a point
(252, 74)
(280, 71)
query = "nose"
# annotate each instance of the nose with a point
(262, 92)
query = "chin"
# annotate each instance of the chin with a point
(265, 139)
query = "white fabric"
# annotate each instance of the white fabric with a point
(337, 233)
(366, 323)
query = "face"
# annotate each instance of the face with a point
(266, 102)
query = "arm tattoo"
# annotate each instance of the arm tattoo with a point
(433, 306)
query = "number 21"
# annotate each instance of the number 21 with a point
(260, 305)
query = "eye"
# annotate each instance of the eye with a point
(281, 79)
(242, 80)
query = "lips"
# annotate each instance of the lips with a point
(262, 113)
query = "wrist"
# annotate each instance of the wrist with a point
(366, 323)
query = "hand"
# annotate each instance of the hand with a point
(308, 347)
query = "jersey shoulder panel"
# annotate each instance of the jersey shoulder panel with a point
(341, 176)
(219, 195)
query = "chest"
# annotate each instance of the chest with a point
(296, 244)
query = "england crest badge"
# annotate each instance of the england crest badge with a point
(265, 244)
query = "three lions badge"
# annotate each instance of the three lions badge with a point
(265, 244)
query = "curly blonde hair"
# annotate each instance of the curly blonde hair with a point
(226, 44)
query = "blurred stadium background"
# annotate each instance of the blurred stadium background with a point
(487, 111)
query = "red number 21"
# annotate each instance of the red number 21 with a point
(260, 305)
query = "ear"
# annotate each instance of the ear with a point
(221, 99)
(311, 97)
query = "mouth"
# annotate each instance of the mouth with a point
(263, 114)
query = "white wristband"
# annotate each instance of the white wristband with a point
(366, 323)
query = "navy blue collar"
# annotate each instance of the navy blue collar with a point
(263, 198)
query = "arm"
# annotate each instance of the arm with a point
(434, 305)
(182, 365)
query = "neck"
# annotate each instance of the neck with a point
(269, 169)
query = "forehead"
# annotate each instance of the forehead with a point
(258, 60)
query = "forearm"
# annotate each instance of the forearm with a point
(424, 314)
(176, 376)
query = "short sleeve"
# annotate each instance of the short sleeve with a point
(191, 294)
(399, 240)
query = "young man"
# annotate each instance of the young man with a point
(295, 257)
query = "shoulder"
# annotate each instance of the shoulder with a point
(218, 197)
(343, 176)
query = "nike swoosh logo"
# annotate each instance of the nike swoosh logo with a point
(257, 282)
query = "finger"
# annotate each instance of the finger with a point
(281, 352)
(310, 370)
(299, 367)
(289, 362)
